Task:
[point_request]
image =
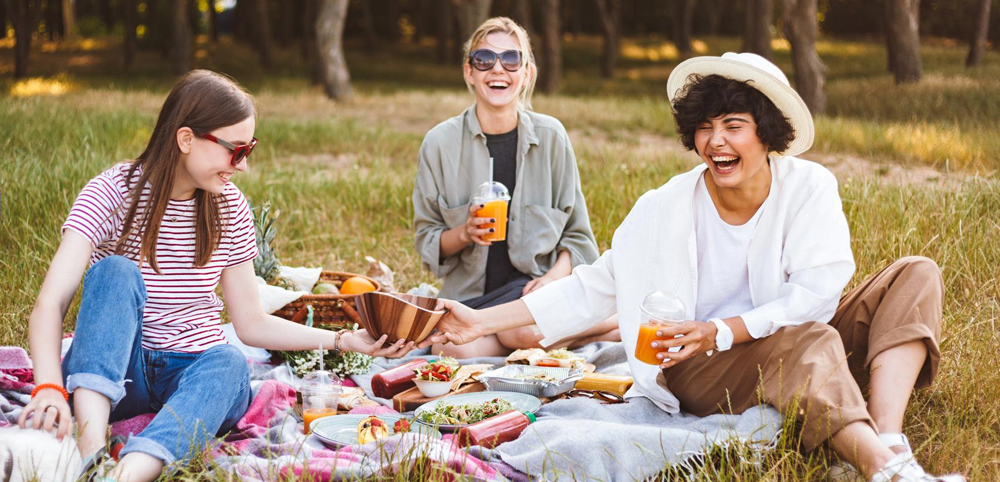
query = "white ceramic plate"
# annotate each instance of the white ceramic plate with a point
(340, 430)
(521, 401)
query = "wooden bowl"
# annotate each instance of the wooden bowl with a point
(398, 315)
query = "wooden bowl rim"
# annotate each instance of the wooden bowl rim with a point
(394, 296)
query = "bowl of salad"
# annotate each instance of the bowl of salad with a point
(435, 378)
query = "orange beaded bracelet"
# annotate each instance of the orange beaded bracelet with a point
(52, 386)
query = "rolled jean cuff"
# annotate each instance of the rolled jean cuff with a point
(114, 391)
(148, 447)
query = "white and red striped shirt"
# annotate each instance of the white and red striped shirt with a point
(182, 312)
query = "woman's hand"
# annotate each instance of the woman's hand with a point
(361, 341)
(47, 409)
(471, 232)
(536, 283)
(698, 337)
(459, 325)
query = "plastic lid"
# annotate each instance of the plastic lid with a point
(320, 378)
(663, 305)
(494, 190)
(531, 416)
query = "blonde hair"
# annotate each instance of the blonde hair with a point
(507, 26)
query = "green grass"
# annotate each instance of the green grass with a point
(341, 175)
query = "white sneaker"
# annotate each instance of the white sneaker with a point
(902, 468)
(891, 440)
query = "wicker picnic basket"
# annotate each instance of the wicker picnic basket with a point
(328, 310)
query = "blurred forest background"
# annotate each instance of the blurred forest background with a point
(318, 29)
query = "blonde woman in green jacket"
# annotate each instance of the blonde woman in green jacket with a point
(548, 230)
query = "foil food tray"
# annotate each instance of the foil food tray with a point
(507, 379)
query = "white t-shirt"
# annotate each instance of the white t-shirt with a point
(182, 311)
(723, 277)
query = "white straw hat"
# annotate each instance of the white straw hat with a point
(762, 75)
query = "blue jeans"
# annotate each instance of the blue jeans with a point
(196, 395)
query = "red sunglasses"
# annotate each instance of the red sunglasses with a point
(240, 152)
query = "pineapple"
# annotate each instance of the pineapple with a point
(266, 264)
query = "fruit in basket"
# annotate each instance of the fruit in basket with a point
(325, 288)
(356, 285)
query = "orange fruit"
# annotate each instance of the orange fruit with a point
(356, 285)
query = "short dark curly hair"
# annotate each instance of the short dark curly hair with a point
(706, 97)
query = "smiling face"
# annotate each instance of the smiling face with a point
(497, 87)
(204, 164)
(736, 157)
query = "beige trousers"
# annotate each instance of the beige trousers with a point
(816, 371)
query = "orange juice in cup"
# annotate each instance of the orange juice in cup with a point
(308, 415)
(494, 198)
(320, 392)
(657, 311)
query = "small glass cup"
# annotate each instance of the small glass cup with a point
(658, 309)
(495, 198)
(320, 391)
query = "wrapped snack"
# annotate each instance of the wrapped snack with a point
(395, 380)
(380, 272)
(609, 383)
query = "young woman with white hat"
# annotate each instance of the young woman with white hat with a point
(755, 243)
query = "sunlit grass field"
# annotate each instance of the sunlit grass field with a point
(917, 167)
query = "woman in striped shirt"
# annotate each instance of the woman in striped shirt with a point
(155, 237)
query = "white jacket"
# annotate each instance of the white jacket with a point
(799, 262)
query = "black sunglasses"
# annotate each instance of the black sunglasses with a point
(603, 396)
(484, 59)
(240, 152)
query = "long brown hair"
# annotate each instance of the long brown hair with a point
(203, 101)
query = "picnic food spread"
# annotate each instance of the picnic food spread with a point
(395, 380)
(494, 431)
(442, 370)
(371, 428)
(554, 358)
(618, 384)
(445, 414)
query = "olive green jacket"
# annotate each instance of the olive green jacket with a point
(547, 213)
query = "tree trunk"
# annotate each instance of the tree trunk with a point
(213, 21)
(52, 15)
(681, 17)
(712, 11)
(521, 13)
(242, 20)
(757, 37)
(444, 19)
(903, 39)
(180, 51)
(129, 22)
(550, 65)
(801, 28)
(3, 19)
(979, 33)
(329, 40)
(69, 19)
(471, 14)
(262, 35)
(287, 25)
(21, 16)
(610, 13)
(310, 54)
(107, 15)
(368, 20)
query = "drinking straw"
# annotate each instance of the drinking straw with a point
(321, 357)
(491, 174)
